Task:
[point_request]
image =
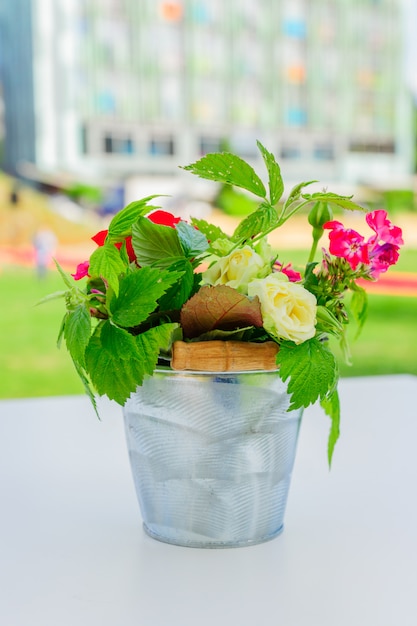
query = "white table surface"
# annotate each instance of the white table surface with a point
(73, 552)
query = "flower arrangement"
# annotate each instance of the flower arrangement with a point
(155, 280)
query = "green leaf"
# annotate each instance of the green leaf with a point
(331, 406)
(211, 231)
(118, 376)
(52, 296)
(154, 341)
(276, 184)
(117, 341)
(359, 305)
(87, 387)
(105, 262)
(295, 193)
(240, 334)
(193, 242)
(155, 243)
(345, 202)
(77, 332)
(138, 296)
(122, 221)
(228, 168)
(311, 368)
(257, 223)
(310, 279)
(180, 291)
(111, 375)
(61, 331)
(327, 322)
(65, 277)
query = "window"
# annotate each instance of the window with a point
(161, 146)
(118, 145)
(324, 152)
(210, 144)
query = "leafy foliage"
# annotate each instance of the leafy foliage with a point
(228, 168)
(311, 369)
(220, 307)
(146, 287)
(138, 295)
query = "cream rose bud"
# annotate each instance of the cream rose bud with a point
(237, 269)
(288, 309)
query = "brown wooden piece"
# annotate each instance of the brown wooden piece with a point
(224, 356)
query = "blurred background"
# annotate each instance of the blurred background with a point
(102, 100)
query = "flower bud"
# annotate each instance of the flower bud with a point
(320, 214)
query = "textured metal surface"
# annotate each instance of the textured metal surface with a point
(211, 456)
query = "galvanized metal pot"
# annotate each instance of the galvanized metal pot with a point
(212, 456)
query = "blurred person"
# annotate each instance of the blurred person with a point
(44, 243)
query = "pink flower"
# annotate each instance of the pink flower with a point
(379, 252)
(347, 243)
(81, 271)
(293, 275)
(384, 229)
(382, 257)
(383, 247)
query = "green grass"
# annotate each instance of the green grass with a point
(31, 365)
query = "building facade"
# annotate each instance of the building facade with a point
(17, 99)
(139, 87)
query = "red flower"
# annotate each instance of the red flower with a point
(163, 218)
(157, 217)
(100, 238)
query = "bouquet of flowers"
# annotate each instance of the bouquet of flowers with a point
(156, 280)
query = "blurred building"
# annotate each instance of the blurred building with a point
(17, 98)
(141, 86)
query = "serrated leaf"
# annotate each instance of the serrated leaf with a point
(295, 193)
(87, 387)
(138, 295)
(179, 292)
(193, 242)
(105, 262)
(111, 375)
(228, 168)
(343, 202)
(331, 406)
(116, 376)
(211, 231)
(117, 341)
(122, 221)
(154, 341)
(276, 184)
(77, 332)
(311, 369)
(154, 243)
(219, 307)
(260, 221)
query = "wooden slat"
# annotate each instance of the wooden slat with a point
(224, 356)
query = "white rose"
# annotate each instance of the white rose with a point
(288, 309)
(237, 269)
